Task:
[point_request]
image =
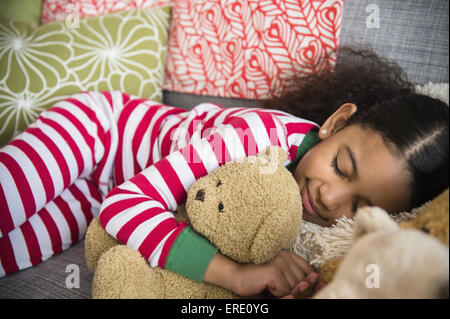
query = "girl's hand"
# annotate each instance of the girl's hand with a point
(279, 276)
(306, 288)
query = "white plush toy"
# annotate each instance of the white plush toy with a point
(388, 262)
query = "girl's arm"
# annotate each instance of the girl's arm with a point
(279, 276)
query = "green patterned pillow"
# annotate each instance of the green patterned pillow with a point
(25, 10)
(122, 51)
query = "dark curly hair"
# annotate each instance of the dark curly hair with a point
(360, 76)
(415, 124)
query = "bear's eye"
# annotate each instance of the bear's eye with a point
(219, 183)
(425, 230)
(221, 207)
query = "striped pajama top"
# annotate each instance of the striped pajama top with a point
(184, 146)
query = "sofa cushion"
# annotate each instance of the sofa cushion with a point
(189, 101)
(64, 276)
(412, 33)
(122, 51)
(55, 10)
(245, 49)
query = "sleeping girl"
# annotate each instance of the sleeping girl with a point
(356, 135)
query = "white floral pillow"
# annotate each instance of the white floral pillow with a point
(38, 66)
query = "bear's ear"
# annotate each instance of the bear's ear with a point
(269, 160)
(372, 219)
(274, 154)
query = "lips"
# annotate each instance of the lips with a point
(307, 204)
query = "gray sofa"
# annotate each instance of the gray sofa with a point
(413, 33)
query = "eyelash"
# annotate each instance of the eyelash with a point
(337, 170)
(343, 176)
(354, 206)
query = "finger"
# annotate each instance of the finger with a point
(292, 272)
(288, 297)
(302, 263)
(299, 261)
(312, 278)
(278, 291)
(308, 292)
(279, 286)
(302, 290)
(293, 277)
(293, 269)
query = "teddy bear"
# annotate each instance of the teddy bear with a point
(409, 259)
(255, 213)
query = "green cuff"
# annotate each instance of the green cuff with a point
(190, 255)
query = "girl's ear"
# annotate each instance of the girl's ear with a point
(337, 120)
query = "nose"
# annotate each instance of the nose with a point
(200, 195)
(334, 198)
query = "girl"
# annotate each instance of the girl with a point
(377, 143)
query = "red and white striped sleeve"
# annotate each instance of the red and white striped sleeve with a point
(139, 212)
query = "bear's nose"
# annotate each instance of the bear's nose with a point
(200, 195)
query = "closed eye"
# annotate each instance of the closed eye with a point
(354, 206)
(337, 170)
(219, 183)
(344, 177)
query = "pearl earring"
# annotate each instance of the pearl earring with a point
(324, 132)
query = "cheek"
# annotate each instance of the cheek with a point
(313, 165)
